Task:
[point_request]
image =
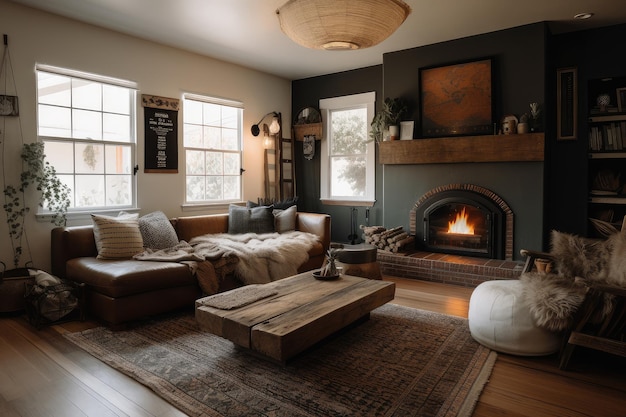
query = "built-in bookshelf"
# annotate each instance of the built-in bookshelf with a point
(607, 132)
(607, 153)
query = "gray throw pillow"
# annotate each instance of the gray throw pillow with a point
(157, 231)
(250, 220)
(280, 205)
(285, 220)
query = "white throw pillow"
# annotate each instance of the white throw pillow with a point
(117, 237)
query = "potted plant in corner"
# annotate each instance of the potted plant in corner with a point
(39, 176)
(386, 121)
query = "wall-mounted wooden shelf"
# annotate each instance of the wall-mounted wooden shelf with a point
(300, 131)
(499, 148)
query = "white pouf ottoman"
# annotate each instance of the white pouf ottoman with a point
(500, 321)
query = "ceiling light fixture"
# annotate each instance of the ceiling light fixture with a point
(341, 24)
(583, 16)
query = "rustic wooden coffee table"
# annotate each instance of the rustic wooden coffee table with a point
(293, 314)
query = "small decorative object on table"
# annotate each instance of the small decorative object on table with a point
(329, 270)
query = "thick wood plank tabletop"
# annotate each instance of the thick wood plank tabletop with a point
(301, 313)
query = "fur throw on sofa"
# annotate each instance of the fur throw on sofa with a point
(262, 257)
(554, 299)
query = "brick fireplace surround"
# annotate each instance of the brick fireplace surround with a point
(454, 269)
(448, 269)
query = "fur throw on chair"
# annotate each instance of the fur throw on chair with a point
(553, 299)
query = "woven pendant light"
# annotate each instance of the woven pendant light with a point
(341, 24)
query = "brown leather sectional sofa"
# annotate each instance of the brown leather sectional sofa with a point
(119, 291)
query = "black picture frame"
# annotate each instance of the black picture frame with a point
(457, 99)
(566, 103)
(161, 134)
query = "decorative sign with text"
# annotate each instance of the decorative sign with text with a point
(161, 134)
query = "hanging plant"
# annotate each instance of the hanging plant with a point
(36, 173)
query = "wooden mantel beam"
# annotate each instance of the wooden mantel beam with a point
(498, 148)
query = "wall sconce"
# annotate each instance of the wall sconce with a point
(274, 126)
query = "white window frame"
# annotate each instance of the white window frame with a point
(191, 205)
(77, 212)
(327, 106)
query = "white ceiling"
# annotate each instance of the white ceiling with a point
(247, 32)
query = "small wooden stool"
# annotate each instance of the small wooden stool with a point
(359, 260)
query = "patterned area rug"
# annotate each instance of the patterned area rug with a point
(401, 362)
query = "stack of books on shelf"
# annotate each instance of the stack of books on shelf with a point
(608, 137)
(596, 110)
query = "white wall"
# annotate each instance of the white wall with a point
(39, 37)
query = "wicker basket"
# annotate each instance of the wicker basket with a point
(53, 303)
(300, 131)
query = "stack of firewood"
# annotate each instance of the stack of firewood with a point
(392, 240)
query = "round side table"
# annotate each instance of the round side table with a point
(359, 260)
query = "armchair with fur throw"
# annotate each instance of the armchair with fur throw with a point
(585, 293)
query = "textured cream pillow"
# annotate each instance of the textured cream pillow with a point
(117, 237)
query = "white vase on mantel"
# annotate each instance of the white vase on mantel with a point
(394, 132)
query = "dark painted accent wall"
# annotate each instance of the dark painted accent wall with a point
(527, 58)
(596, 54)
(519, 56)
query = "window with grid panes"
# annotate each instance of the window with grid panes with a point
(212, 131)
(87, 124)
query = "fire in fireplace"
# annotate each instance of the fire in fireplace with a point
(463, 219)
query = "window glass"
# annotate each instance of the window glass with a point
(87, 124)
(212, 140)
(348, 156)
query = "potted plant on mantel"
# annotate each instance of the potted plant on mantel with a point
(39, 176)
(387, 120)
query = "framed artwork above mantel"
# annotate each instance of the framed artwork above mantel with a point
(457, 99)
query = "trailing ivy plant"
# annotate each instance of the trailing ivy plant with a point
(40, 175)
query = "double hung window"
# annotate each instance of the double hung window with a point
(347, 154)
(212, 142)
(87, 124)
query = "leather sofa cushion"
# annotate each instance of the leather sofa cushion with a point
(119, 278)
(189, 227)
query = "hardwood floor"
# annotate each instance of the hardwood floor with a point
(41, 374)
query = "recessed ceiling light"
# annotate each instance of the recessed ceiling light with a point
(583, 16)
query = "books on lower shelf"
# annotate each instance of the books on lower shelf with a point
(608, 137)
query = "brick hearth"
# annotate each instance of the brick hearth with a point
(448, 269)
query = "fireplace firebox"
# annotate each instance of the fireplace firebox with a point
(463, 219)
